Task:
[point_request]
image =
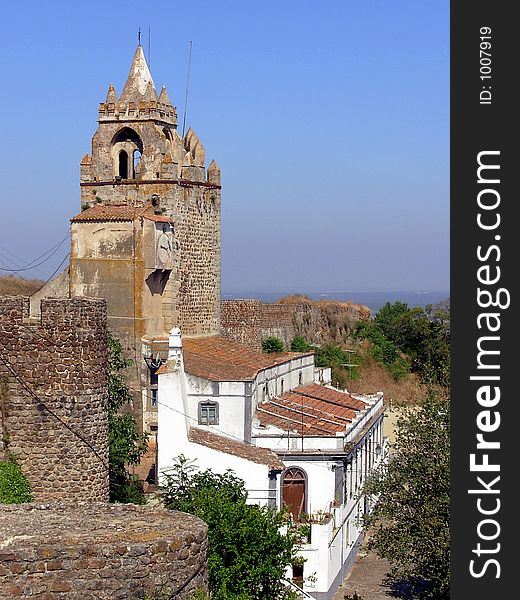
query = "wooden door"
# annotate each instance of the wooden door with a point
(294, 492)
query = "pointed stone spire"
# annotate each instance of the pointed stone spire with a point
(138, 80)
(193, 144)
(164, 98)
(150, 93)
(214, 175)
(111, 95)
(86, 160)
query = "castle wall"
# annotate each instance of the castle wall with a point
(250, 321)
(53, 376)
(241, 320)
(97, 551)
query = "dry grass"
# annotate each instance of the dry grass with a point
(10, 285)
(375, 378)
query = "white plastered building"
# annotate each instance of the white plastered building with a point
(297, 442)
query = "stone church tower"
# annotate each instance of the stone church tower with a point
(148, 236)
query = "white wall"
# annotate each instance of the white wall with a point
(173, 438)
(332, 542)
(230, 397)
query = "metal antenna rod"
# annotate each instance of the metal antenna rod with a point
(149, 45)
(186, 95)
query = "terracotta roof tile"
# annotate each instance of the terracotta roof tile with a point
(321, 392)
(218, 358)
(261, 456)
(311, 410)
(118, 212)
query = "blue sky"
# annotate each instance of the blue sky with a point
(329, 120)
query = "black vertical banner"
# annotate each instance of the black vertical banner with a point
(485, 168)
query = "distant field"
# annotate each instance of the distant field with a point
(14, 286)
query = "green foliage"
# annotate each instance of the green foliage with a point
(411, 520)
(126, 444)
(14, 485)
(422, 335)
(331, 355)
(355, 596)
(383, 350)
(248, 554)
(272, 345)
(300, 344)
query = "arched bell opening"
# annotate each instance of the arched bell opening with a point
(127, 150)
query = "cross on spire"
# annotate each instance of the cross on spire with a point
(139, 36)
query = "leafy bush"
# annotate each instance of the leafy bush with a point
(126, 444)
(300, 344)
(248, 555)
(272, 345)
(337, 359)
(14, 485)
(330, 355)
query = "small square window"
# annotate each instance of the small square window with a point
(208, 413)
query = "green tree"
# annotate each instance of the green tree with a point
(126, 444)
(403, 338)
(272, 345)
(411, 520)
(248, 554)
(300, 344)
(331, 355)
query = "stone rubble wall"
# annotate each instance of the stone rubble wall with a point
(249, 321)
(97, 551)
(196, 215)
(53, 382)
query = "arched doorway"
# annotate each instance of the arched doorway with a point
(294, 491)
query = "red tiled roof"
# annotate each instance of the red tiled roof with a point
(261, 456)
(311, 410)
(118, 212)
(218, 358)
(321, 392)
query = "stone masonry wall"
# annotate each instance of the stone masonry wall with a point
(241, 320)
(250, 321)
(97, 551)
(53, 378)
(197, 229)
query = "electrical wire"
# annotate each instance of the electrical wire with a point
(54, 273)
(147, 397)
(32, 264)
(28, 389)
